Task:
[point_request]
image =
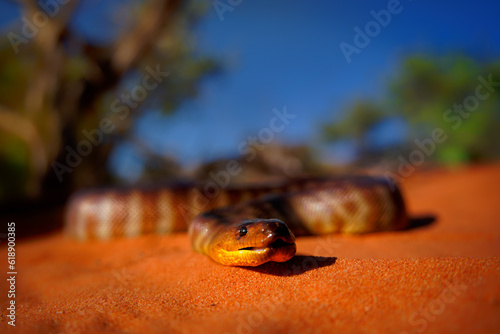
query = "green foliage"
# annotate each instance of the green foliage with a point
(14, 158)
(361, 118)
(422, 93)
(58, 84)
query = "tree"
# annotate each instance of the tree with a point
(432, 93)
(66, 102)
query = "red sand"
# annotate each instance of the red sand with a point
(443, 277)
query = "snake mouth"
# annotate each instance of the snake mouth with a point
(276, 249)
(278, 243)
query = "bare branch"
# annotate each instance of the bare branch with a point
(157, 13)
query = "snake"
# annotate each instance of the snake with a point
(240, 225)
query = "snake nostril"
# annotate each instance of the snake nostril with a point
(273, 226)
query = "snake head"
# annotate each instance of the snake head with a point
(253, 242)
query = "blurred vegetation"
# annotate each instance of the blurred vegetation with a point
(55, 84)
(269, 162)
(423, 95)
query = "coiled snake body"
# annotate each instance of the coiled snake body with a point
(241, 226)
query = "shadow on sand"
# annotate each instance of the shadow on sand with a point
(297, 265)
(421, 221)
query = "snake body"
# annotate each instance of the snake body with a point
(241, 226)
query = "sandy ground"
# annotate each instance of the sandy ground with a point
(442, 277)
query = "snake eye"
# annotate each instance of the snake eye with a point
(243, 231)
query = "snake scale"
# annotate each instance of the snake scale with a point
(245, 226)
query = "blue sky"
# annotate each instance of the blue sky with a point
(286, 53)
